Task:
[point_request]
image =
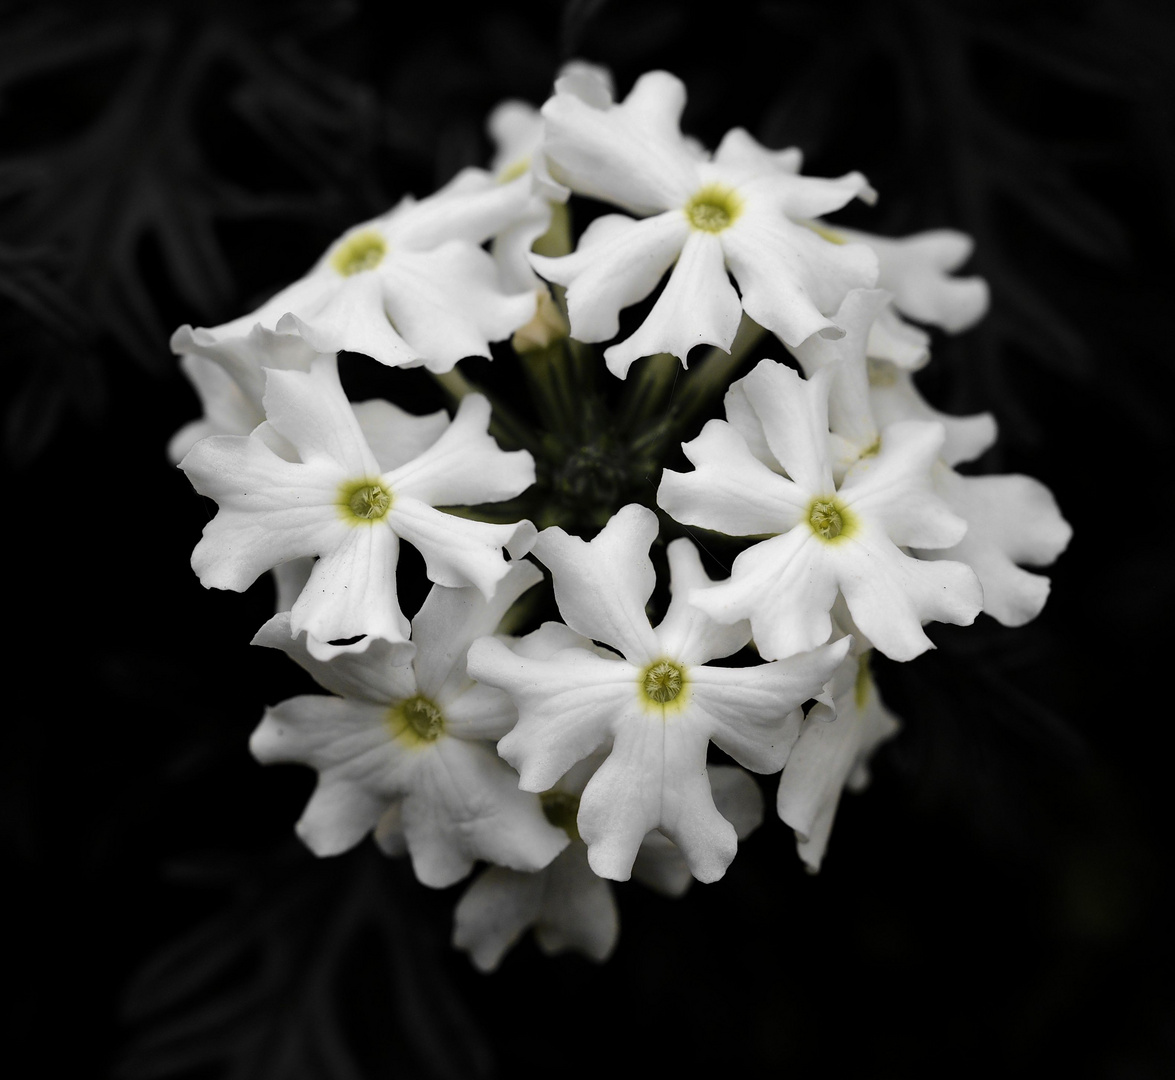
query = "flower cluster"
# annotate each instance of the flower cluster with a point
(579, 750)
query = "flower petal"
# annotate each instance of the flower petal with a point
(849, 412)
(447, 303)
(467, 806)
(698, 306)
(566, 705)
(350, 315)
(495, 911)
(395, 436)
(617, 262)
(785, 586)
(347, 743)
(631, 154)
(380, 674)
(602, 586)
(754, 711)
(450, 620)
(687, 633)
(1010, 519)
(894, 397)
(890, 595)
(270, 510)
(788, 276)
(730, 490)
(465, 465)
(457, 551)
(893, 488)
(655, 777)
(352, 590)
(794, 415)
(311, 410)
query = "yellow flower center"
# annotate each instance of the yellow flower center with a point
(714, 208)
(662, 681)
(362, 251)
(830, 518)
(364, 502)
(416, 720)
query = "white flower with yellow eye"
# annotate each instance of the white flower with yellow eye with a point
(825, 539)
(349, 503)
(657, 700)
(414, 741)
(411, 287)
(740, 212)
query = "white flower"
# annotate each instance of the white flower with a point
(413, 741)
(350, 503)
(657, 701)
(831, 755)
(825, 539)
(411, 287)
(740, 212)
(569, 907)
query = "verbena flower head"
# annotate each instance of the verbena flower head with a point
(657, 701)
(742, 211)
(350, 502)
(413, 742)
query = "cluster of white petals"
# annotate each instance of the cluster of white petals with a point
(566, 755)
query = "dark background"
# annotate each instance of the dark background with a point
(1000, 898)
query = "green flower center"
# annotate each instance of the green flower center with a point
(363, 251)
(713, 209)
(421, 717)
(561, 809)
(829, 518)
(662, 681)
(365, 502)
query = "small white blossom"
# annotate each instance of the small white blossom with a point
(825, 539)
(741, 211)
(657, 701)
(350, 502)
(413, 741)
(411, 287)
